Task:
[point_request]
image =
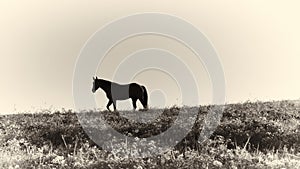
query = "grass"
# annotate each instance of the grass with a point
(250, 135)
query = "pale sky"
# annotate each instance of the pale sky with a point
(257, 43)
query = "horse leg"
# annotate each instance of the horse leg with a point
(108, 104)
(143, 103)
(134, 103)
(141, 100)
(115, 104)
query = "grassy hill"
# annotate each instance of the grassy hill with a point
(250, 135)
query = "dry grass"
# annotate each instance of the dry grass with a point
(251, 135)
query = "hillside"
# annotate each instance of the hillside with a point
(250, 135)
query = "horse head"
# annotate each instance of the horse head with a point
(95, 84)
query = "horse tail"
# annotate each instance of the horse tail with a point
(145, 97)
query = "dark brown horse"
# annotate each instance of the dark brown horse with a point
(115, 91)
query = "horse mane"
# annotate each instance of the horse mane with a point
(104, 81)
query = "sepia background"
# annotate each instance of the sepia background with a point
(257, 42)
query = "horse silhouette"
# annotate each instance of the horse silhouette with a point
(115, 91)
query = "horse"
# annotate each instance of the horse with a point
(115, 91)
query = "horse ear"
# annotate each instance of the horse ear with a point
(96, 77)
(93, 78)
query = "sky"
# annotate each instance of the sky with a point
(257, 43)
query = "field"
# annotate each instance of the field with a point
(250, 135)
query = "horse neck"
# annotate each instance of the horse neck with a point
(105, 85)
